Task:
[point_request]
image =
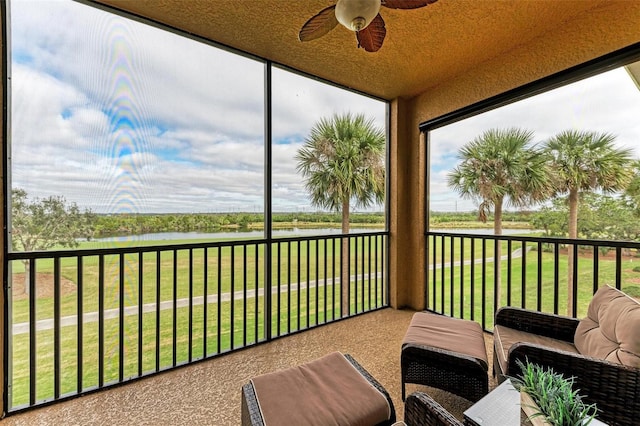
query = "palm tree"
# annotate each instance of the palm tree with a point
(342, 161)
(501, 165)
(586, 161)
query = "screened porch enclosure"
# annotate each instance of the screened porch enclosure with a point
(167, 109)
(140, 311)
(194, 146)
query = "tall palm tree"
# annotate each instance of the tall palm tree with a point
(586, 161)
(501, 165)
(342, 161)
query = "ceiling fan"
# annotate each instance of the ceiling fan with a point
(360, 16)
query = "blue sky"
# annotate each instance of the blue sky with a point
(118, 117)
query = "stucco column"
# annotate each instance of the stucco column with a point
(406, 193)
(4, 350)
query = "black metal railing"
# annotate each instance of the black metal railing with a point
(81, 320)
(464, 279)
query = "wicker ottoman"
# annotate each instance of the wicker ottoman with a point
(334, 389)
(445, 353)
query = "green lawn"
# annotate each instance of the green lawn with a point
(218, 339)
(453, 285)
(227, 270)
(182, 275)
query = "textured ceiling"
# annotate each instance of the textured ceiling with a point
(423, 47)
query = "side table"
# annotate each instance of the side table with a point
(500, 407)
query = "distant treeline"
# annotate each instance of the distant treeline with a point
(132, 224)
(449, 217)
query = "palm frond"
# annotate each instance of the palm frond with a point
(341, 160)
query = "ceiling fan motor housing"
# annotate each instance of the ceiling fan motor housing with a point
(356, 14)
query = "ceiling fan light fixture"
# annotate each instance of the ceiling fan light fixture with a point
(356, 15)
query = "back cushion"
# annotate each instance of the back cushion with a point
(611, 330)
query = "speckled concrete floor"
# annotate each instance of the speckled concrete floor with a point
(208, 393)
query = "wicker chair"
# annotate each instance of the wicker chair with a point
(614, 388)
(422, 410)
(459, 365)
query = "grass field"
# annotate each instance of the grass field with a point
(537, 280)
(235, 314)
(235, 310)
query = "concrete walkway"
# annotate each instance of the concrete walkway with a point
(48, 324)
(514, 255)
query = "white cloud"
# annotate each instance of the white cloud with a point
(299, 102)
(119, 116)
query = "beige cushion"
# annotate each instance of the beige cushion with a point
(326, 391)
(505, 337)
(611, 330)
(452, 334)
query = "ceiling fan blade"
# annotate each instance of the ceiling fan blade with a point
(406, 4)
(319, 25)
(372, 37)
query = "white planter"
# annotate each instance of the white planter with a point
(530, 408)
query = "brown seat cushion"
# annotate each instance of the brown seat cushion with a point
(505, 337)
(329, 390)
(611, 330)
(443, 332)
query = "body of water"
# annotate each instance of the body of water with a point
(290, 232)
(485, 231)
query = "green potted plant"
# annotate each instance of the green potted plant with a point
(548, 398)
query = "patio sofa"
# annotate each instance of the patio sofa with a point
(601, 351)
